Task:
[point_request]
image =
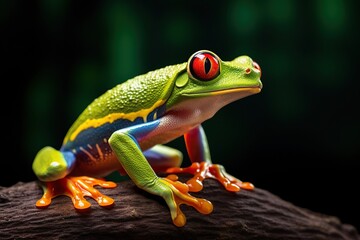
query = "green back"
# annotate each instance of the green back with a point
(129, 98)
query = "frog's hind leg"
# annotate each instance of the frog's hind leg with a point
(51, 164)
(52, 168)
(162, 157)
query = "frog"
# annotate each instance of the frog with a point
(126, 129)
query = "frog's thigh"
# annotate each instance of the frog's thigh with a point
(162, 157)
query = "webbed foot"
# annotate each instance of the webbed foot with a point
(77, 188)
(204, 170)
(176, 193)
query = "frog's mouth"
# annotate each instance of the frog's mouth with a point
(244, 90)
(200, 106)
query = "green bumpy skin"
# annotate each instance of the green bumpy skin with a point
(125, 129)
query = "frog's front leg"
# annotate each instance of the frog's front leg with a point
(202, 167)
(125, 144)
(52, 168)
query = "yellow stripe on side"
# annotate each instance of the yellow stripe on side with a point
(94, 123)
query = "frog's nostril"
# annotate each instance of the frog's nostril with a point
(256, 66)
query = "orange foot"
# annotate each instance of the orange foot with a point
(76, 188)
(175, 194)
(204, 170)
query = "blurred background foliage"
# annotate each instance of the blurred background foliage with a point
(298, 138)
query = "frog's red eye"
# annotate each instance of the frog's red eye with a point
(204, 66)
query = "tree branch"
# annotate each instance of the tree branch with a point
(136, 214)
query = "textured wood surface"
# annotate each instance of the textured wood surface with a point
(254, 214)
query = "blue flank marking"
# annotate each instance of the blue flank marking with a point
(141, 130)
(93, 136)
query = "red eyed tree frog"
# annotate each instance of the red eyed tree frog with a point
(125, 128)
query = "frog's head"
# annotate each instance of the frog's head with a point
(208, 83)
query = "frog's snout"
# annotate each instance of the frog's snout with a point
(257, 67)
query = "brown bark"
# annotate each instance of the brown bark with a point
(254, 214)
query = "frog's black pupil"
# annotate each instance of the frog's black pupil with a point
(207, 65)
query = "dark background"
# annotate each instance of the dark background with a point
(298, 138)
